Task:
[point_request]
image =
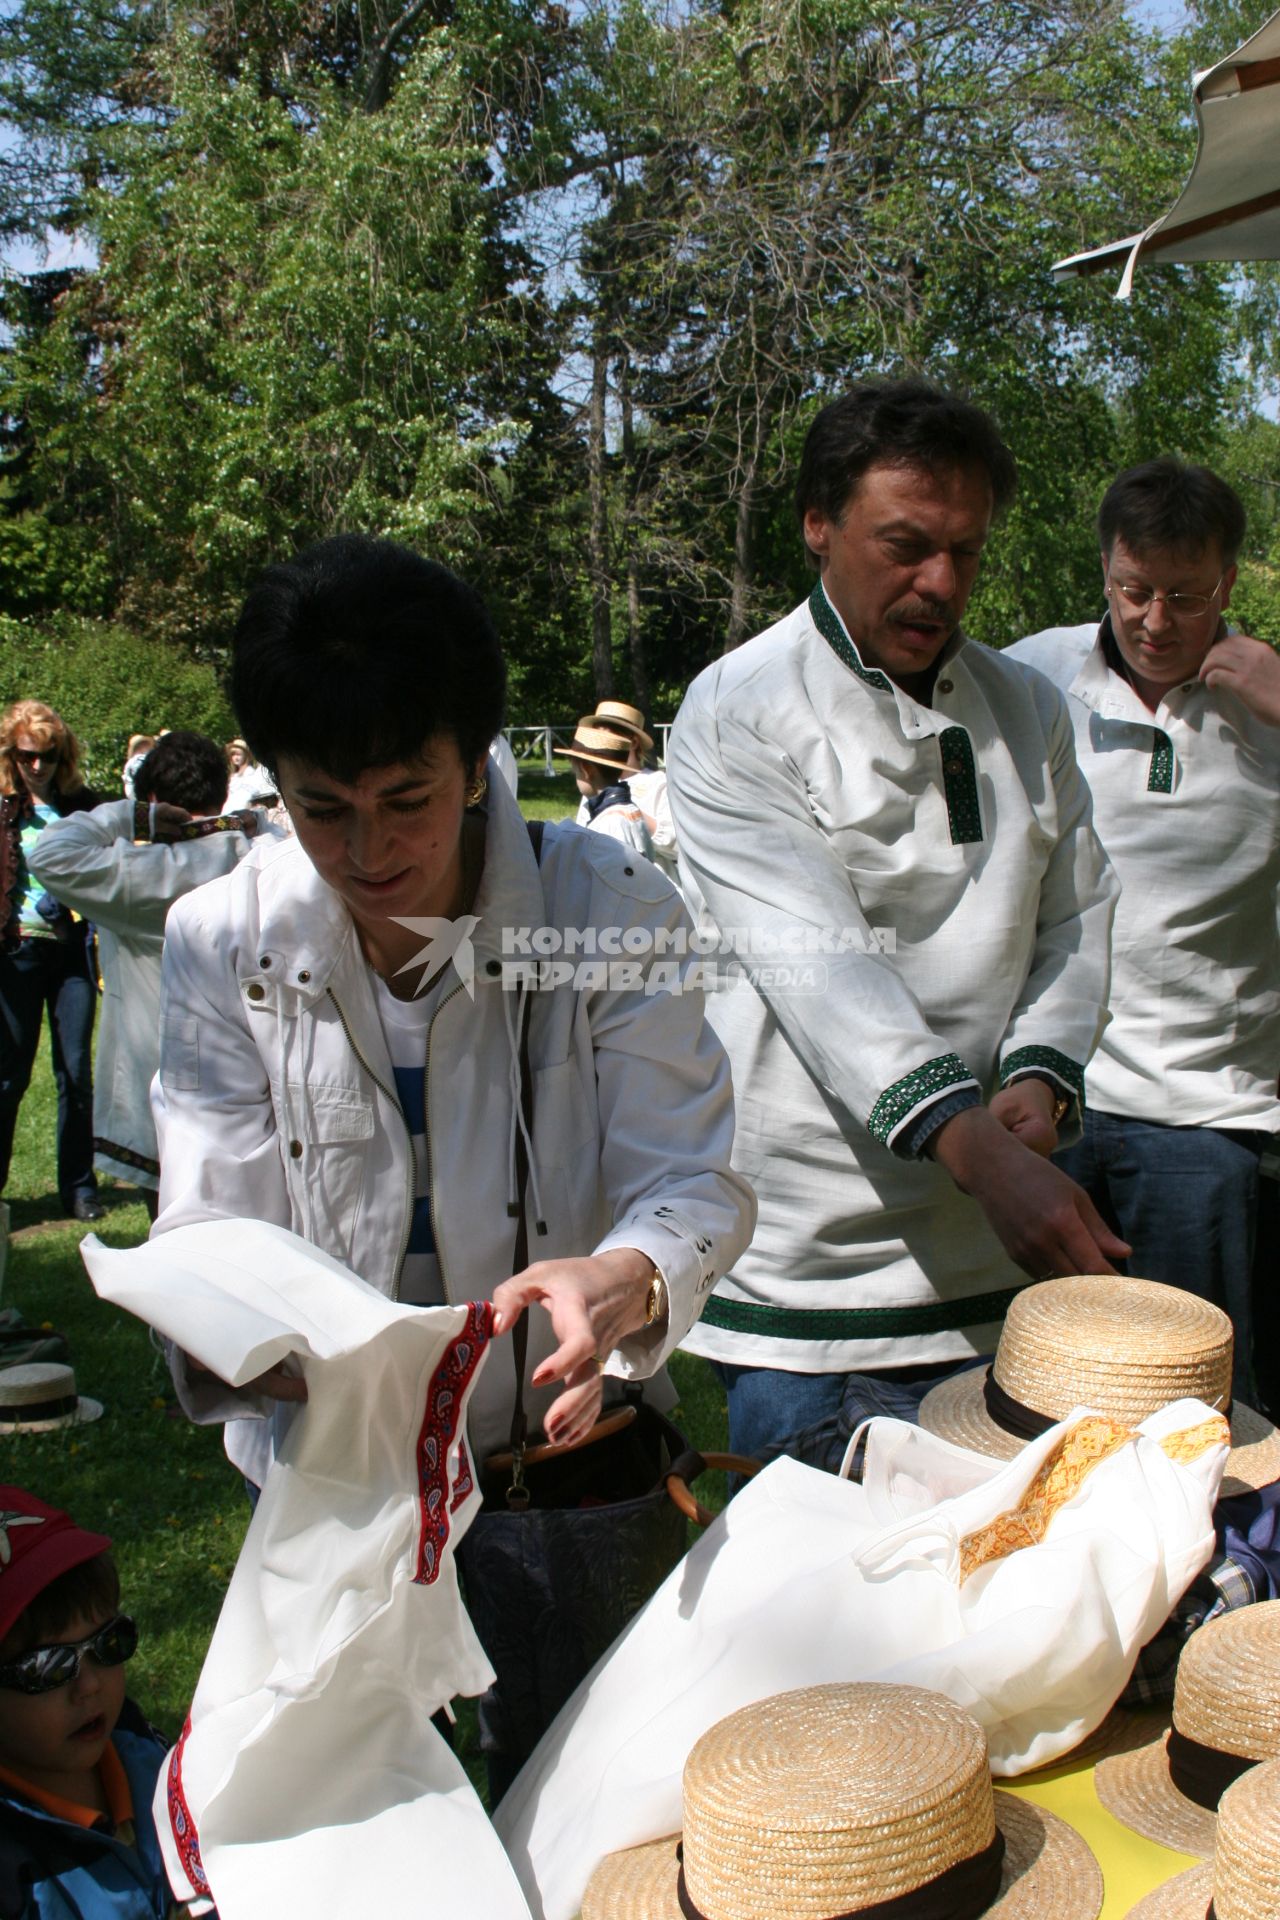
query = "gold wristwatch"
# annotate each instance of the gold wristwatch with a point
(655, 1306)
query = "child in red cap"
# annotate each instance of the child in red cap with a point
(78, 1764)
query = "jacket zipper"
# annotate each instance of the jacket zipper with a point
(395, 1102)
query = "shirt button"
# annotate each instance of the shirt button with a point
(304, 976)
(295, 1149)
(946, 686)
(493, 968)
(255, 992)
(953, 766)
(264, 960)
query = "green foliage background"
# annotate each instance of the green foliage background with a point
(107, 683)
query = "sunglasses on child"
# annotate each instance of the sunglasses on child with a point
(45, 1668)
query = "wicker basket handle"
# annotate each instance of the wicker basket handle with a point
(689, 1466)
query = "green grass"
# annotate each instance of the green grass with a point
(547, 799)
(160, 1487)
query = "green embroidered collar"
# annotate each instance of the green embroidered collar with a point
(831, 627)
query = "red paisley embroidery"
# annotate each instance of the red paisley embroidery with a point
(185, 1837)
(440, 1422)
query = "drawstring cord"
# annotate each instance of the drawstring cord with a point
(516, 1009)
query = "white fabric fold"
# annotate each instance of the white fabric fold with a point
(1022, 1589)
(309, 1776)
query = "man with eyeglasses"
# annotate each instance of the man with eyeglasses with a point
(1175, 732)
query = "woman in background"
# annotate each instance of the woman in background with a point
(45, 957)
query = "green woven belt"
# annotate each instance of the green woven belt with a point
(857, 1323)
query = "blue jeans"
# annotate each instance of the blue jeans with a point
(768, 1406)
(54, 975)
(1186, 1200)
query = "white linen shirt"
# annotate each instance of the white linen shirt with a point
(938, 865)
(1187, 804)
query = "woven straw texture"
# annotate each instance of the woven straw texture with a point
(1226, 1695)
(1244, 1878)
(1124, 1346)
(834, 1798)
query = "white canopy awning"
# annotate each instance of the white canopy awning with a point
(1230, 207)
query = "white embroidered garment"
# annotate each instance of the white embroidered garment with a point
(1022, 1589)
(309, 1778)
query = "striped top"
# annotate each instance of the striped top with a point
(406, 1024)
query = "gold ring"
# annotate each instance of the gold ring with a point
(597, 1363)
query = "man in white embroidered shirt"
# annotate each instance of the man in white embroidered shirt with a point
(1177, 739)
(863, 783)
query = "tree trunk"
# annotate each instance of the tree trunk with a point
(601, 620)
(635, 631)
(744, 560)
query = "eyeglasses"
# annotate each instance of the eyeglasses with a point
(47, 756)
(45, 1668)
(1180, 606)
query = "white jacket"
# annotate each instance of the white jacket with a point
(90, 863)
(1186, 801)
(275, 1098)
(922, 907)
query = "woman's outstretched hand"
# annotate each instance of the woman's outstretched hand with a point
(593, 1303)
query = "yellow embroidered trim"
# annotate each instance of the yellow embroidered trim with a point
(1059, 1479)
(1191, 1442)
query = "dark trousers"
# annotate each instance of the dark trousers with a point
(1186, 1200)
(52, 974)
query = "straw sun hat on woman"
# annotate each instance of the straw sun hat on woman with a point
(1123, 1346)
(834, 1800)
(1243, 1881)
(1226, 1717)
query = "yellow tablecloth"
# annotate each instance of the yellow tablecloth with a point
(1131, 1866)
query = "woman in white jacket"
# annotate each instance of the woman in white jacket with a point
(341, 1015)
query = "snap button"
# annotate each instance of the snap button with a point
(493, 967)
(304, 976)
(946, 686)
(264, 961)
(255, 992)
(295, 1149)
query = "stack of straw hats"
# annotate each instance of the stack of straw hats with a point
(617, 713)
(1123, 1346)
(1226, 1718)
(603, 742)
(1243, 1882)
(835, 1800)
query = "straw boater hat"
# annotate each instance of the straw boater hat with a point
(835, 1800)
(601, 742)
(1226, 1717)
(1243, 1881)
(1123, 1346)
(616, 713)
(42, 1397)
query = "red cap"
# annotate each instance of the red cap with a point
(37, 1543)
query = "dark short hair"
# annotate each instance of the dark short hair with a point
(1169, 506)
(898, 423)
(90, 1590)
(186, 769)
(358, 652)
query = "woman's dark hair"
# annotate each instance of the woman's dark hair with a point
(358, 652)
(90, 1591)
(1167, 506)
(186, 769)
(898, 423)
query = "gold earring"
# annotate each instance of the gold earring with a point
(476, 792)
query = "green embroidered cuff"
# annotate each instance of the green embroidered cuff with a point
(1045, 1060)
(898, 1102)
